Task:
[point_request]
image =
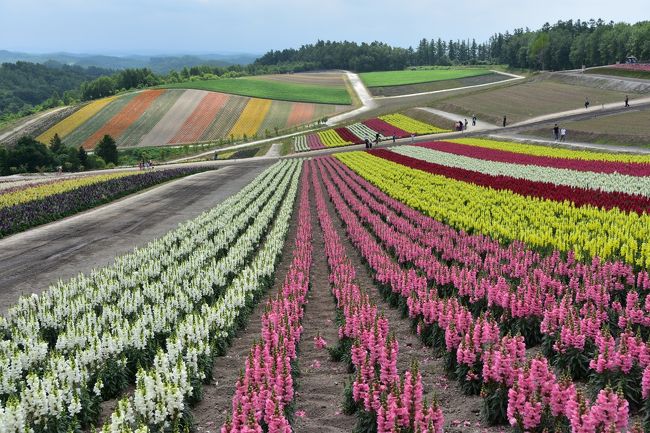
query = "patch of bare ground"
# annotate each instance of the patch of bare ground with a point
(461, 412)
(212, 411)
(321, 382)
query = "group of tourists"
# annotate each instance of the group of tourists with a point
(146, 165)
(377, 140)
(462, 126)
(559, 133)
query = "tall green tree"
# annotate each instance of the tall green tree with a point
(106, 149)
(30, 155)
(82, 155)
(56, 145)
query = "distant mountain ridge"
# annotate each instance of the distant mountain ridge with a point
(160, 64)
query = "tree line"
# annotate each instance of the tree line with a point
(29, 156)
(563, 45)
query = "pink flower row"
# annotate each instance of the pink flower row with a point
(397, 402)
(503, 362)
(266, 385)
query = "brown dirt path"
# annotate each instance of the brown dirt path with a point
(458, 409)
(211, 412)
(321, 382)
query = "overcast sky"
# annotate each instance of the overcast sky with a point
(256, 26)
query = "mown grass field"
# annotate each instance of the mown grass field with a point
(400, 78)
(526, 100)
(272, 89)
(432, 86)
(630, 128)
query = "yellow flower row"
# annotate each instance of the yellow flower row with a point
(411, 125)
(330, 138)
(251, 118)
(507, 216)
(552, 152)
(72, 122)
(41, 191)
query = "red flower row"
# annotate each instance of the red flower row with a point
(385, 128)
(347, 135)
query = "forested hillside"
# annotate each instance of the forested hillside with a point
(24, 85)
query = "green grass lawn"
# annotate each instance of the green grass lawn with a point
(278, 90)
(626, 73)
(400, 78)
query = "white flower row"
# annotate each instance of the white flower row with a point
(362, 131)
(57, 387)
(161, 392)
(608, 182)
(300, 143)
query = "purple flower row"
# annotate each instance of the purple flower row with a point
(24, 216)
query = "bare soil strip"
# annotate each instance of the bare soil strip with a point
(321, 382)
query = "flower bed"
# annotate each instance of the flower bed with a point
(514, 157)
(586, 231)
(453, 313)
(79, 195)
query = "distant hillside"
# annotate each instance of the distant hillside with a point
(24, 85)
(158, 64)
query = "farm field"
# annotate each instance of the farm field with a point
(526, 100)
(487, 286)
(173, 116)
(282, 90)
(629, 128)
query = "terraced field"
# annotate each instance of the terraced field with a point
(174, 116)
(524, 101)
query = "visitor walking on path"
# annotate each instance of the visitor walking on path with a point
(466, 122)
(563, 134)
(474, 120)
(504, 121)
(627, 101)
(586, 102)
(556, 132)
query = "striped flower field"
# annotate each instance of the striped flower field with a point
(176, 116)
(392, 125)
